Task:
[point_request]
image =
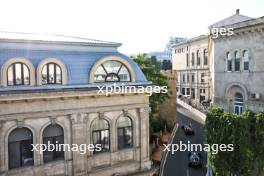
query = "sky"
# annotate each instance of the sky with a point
(140, 25)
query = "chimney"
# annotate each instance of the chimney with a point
(237, 11)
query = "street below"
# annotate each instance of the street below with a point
(177, 164)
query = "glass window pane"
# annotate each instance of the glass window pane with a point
(96, 137)
(125, 138)
(53, 130)
(198, 57)
(100, 74)
(246, 60)
(100, 124)
(124, 74)
(105, 140)
(44, 75)
(112, 78)
(112, 66)
(19, 148)
(124, 122)
(58, 75)
(18, 73)
(26, 74)
(54, 135)
(10, 75)
(51, 73)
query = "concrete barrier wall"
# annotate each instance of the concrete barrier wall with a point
(193, 110)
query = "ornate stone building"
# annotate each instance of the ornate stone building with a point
(238, 64)
(234, 73)
(49, 94)
(191, 62)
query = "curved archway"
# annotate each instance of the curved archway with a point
(238, 103)
(236, 87)
(56, 64)
(100, 130)
(124, 132)
(53, 134)
(20, 152)
(22, 61)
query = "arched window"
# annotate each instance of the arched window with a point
(187, 60)
(229, 61)
(51, 74)
(53, 135)
(205, 54)
(238, 103)
(18, 74)
(125, 132)
(112, 71)
(237, 61)
(19, 148)
(101, 134)
(198, 56)
(192, 58)
(246, 60)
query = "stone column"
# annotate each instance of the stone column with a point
(144, 138)
(79, 136)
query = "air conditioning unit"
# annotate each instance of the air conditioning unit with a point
(257, 96)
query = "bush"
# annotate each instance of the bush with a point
(245, 132)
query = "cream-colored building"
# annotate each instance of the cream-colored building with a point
(191, 62)
(234, 75)
(49, 94)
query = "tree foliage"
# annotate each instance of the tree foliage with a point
(154, 75)
(246, 133)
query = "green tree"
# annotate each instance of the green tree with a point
(166, 65)
(154, 75)
(245, 132)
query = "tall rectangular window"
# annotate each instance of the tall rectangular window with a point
(192, 58)
(193, 93)
(198, 56)
(246, 60)
(202, 77)
(237, 61)
(229, 61)
(188, 91)
(187, 60)
(205, 57)
(192, 78)
(183, 91)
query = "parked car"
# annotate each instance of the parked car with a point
(188, 130)
(195, 159)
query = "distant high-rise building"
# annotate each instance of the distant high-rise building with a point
(166, 54)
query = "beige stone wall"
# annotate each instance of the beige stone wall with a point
(75, 111)
(226, 83)
(167, 110)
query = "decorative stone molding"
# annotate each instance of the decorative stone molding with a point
(236, 84)
(20, 123)
(101, 115)
(79, 118)
(56, 61)
(125, 112)
(12, 61)
(145, 110)
(53, 120)
(112, 58)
